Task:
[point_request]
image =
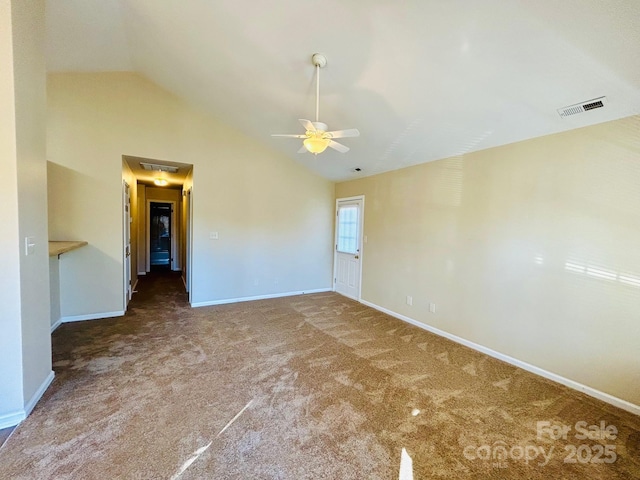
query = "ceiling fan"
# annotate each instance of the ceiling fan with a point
(316, 137)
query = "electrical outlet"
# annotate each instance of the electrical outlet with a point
(432, 307)
(409, 300)
(213, 235)
(256, 282)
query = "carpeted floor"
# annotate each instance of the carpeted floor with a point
(307, 387)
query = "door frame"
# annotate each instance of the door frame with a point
(188, 199)
(174, 243)
(126, 246)
(360, 246)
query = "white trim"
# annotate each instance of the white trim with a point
(14, 418)
(133, 289)
(356, 198)
(259, 297)
(605, 397)
(142, 273)
(11, 419)
(56, 324)
(92, 316)
(126, 227)
(188, 252)
(38, 394)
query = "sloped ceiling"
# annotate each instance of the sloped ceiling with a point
(421, 80)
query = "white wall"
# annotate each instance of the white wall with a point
(25, 366)
(263, 205)
(530, 249)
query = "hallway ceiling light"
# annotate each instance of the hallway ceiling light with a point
(161, 182)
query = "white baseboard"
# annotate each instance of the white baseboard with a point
(142, 273)
(14, 418)
(92, 316)
(11, 419)
(605, 397)
(56, 324)
(133, 289)
(38, 394)
(258, 297)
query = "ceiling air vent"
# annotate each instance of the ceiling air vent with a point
(581, 107)
(158, 168)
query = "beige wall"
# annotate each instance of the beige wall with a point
(54, 289)
(11, 396)
(25, 363)
(530, 249)
(262, 204)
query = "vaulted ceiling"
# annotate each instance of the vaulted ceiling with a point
(421, 79)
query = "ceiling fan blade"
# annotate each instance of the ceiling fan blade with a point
(287, 135)
(338, 146)
(307, 124)
(352, 132)
(303, 150)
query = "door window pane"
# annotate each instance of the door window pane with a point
(348, 229)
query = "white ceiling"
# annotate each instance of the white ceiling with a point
(421, 80)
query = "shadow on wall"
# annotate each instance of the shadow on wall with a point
(98, 266)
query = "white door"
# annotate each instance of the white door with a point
(349, 223)
(186, 270)
(189, 245)
(126, 220)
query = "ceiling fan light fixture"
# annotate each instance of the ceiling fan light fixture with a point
(317, 137)
(316, 145)
(161, 182)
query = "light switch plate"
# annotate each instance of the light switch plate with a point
(213, 235)
(29, 245)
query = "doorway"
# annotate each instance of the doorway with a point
(347, 271)
(161, 233)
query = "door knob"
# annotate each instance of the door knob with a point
(357, 257)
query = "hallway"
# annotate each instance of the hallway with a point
(157, 289)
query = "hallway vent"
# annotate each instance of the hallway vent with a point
(158, 168)
(581, 107)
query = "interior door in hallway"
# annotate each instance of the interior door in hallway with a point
(348, 246)
(160, 235)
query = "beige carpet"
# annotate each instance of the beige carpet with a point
(307, 387)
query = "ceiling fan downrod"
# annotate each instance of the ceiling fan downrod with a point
(320, 61)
